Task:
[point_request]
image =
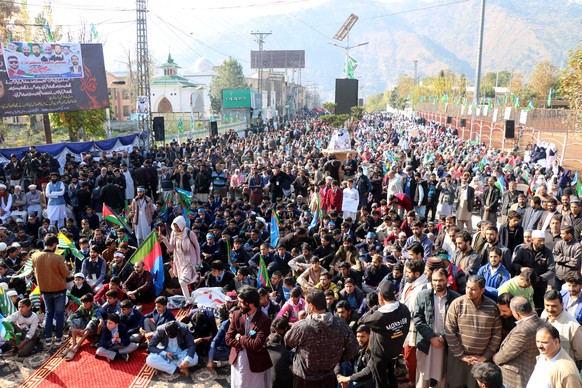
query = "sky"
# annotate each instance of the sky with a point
(187, 29)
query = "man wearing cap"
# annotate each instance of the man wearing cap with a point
(389, 324)
(120, 267)
(230, 301)
(574, 219)
(55, 194)
(33, 200)
(537, 256)
(141, 214)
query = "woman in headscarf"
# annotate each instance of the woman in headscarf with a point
(184, 244)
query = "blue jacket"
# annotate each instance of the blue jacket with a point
(133, 321)
(159, 319)
(566, 299)
(185, 340)
(107, 338)
(492, 282)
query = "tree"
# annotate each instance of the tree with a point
(40, 33)
(7, 10)
(543, 77)
(230, 76)
(330, 106)
(571, 85)
(90, 122)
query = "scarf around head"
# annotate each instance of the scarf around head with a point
(180, 221)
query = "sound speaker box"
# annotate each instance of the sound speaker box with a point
(346, 95)
(449, 120)
(509, 129)
(159, 129)
(463, 123)
(213, 128)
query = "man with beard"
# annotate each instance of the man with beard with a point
(421, 238)
(141, 214)
(464, 256)
(362, 376)
(491, 197)
(247, 337)
(571, 296)
(431, 308)
(567, 255)
(508, 199)
(56, 204)
(551, 211)
(464, 199)
(492, 241)
(537, 256)
(139, 286)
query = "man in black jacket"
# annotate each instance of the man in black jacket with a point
(389, 325)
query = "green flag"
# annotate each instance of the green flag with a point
(550, 98)
(94, 32)
(6, 305)
(49, 34)
(351, 65)
(180, 125)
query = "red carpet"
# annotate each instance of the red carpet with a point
(87, 371)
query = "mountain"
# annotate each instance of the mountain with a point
(518, 34)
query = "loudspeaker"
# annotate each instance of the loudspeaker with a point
(449, 120)
(509, 129)
(346, 95)
(213, 128)
(463, 123)
(159, 129)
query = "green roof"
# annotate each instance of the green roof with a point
(172, 80)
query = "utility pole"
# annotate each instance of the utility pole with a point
(478, 72)
(260, 38)
(143, 71)
(415, 71)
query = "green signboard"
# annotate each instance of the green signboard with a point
(237, 98)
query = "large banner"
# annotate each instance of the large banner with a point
(23, 95)
(43, 60)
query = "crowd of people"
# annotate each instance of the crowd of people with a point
(419, 258)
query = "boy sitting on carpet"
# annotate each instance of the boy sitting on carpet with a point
(115, 340)
(131, 317)
(160, 315)
(82, 323)
(24, 321)
(112, 305)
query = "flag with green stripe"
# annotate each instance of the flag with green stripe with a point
(6, 305)
(65, 243)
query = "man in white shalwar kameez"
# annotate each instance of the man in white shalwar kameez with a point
(351, 200)
(129, 186)
(142, 211)
(56, 204)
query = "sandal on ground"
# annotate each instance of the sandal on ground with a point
(70, 355)
(66, 351)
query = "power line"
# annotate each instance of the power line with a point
(258, 5)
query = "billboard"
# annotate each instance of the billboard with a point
(37, 95)
(278, 59)
(43, 60)
(239, 98)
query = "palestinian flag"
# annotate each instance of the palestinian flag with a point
(263, 278)
(6, 305)
(150, 252)
(109, 215)
(64, 242)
